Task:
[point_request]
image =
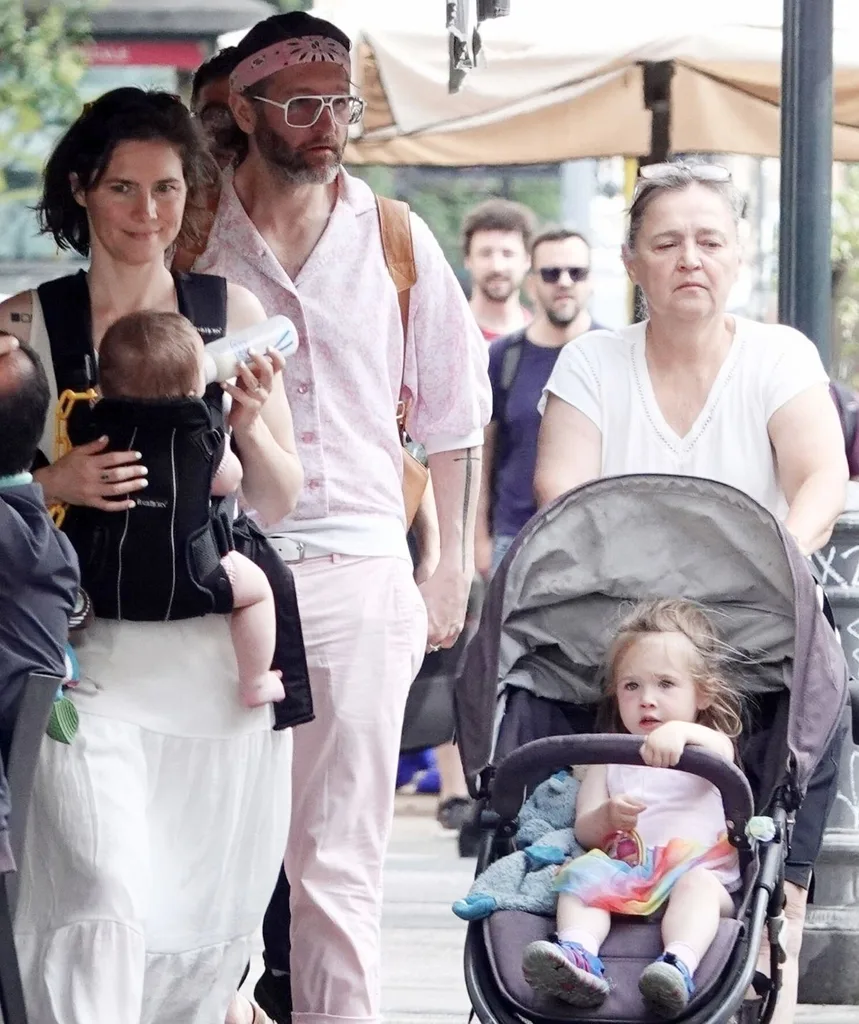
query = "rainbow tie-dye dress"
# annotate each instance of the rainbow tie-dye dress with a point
(640, 889)
(682, 827)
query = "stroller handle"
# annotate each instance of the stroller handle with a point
(534, 761)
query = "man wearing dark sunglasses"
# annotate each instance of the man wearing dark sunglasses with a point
(559, 286)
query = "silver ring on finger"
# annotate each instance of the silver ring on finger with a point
(434, 647)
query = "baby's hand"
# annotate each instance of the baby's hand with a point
(623, 812)
(664, 746)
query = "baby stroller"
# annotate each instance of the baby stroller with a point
(528, 689)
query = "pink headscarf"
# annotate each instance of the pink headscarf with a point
(287, 53)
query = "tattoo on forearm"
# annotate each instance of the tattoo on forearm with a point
(21, 318)
(470, 458)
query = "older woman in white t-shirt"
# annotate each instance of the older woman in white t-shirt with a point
(697, 392)
(693, 390)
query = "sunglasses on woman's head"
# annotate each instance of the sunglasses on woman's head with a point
(551, 275)
(700, 172)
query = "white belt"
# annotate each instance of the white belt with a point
(296, 550)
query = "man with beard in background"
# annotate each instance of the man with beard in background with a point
(496, 238)
(305, 237)
(519, 366)
(210, 104)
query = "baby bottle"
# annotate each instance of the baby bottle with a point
(222, 356)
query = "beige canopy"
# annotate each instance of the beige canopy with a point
(563, 79)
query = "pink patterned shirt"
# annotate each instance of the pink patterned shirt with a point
(343, 382)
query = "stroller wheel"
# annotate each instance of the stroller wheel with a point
(82, 613)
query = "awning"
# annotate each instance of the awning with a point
(559, 85)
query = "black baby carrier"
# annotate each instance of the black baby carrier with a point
(161, 559)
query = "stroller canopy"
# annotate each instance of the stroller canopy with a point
(556, 600)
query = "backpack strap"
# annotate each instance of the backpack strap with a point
(68, 320)
(395, 227)
(509, 368)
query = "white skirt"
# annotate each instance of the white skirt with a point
(155, 837)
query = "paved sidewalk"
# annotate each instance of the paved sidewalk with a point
(422, 978)
(422, 970)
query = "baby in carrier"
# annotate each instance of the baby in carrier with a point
(159, 356)
(653, 835)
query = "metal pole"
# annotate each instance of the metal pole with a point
(805, 236)
(657, 99)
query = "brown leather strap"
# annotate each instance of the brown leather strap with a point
(396, 230)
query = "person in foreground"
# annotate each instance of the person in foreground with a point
(693, 391)
(653, 835)
(306, 237)
(153, 838)
(38, 568)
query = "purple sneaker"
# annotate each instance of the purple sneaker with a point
(666, 985)
(567, 971)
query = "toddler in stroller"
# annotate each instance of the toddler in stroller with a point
(653, 835)
(526, 701)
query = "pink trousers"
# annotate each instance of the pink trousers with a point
(365, 630)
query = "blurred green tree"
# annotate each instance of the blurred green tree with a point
(845, 262)
(41, 64)
(442, 197)
(294, 5)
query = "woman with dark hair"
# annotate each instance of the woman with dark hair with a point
(153, 841)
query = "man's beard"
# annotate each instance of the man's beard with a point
(557, 319)
(496, 288)
(290, 164)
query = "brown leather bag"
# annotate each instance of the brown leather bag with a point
(396, 230)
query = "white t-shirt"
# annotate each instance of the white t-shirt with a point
(604, 375)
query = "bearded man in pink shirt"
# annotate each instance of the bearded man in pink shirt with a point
(304, 236)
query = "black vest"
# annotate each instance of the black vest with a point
(190, 433)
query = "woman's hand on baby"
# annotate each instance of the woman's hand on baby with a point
(87, 475)
(253, 385)
(623, 812)
(664, 747)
